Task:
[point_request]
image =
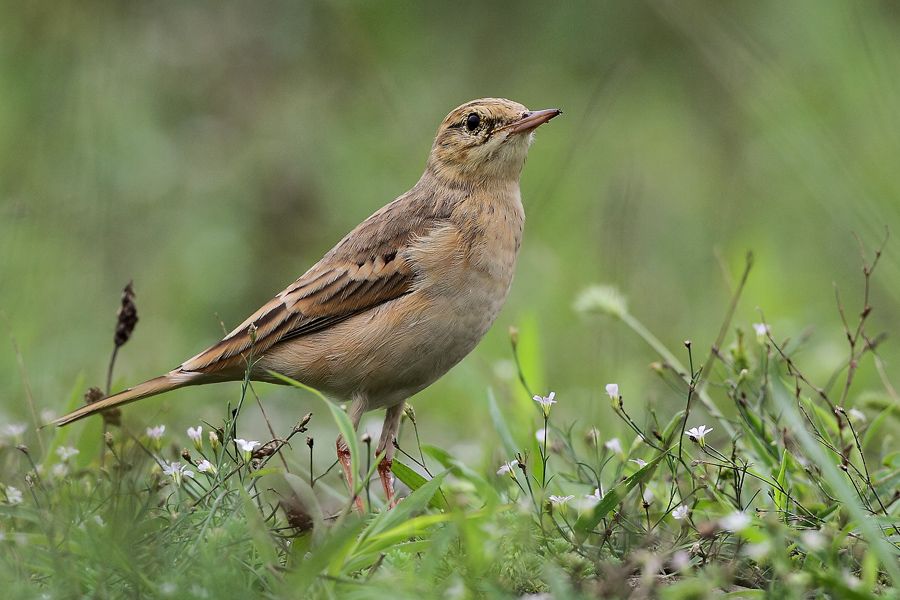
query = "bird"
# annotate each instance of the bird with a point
(401, 299)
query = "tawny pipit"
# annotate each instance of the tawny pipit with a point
(403, 297)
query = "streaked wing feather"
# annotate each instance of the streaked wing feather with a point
(327, 294)
(365, 269)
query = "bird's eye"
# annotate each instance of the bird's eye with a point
(473, 121)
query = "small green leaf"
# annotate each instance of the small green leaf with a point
(407, 529)
(410, 478)
(414, 481)
(415, 502)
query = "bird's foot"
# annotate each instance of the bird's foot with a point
(343, 454)
(387, 481)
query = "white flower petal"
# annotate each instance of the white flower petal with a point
(507, 467)
(13, 495)
(613, 390)
(560, 500)
(614, 445)
(15, 430)
(546, 401)
(736, 521)
(66, 452)
(246, 445)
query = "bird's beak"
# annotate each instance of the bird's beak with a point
(533, 119)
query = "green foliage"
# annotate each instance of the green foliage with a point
(791, 504)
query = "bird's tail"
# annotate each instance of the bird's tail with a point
(170, 381)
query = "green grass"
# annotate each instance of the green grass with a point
(792, 495)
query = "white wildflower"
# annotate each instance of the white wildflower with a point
(15, 430)
(204, 466)
(698, 434)
(614, 445)
(177, 472)
(155, 434)
(508, 468)
(195, 433)
(757, 551)
(59, 470)
(546, 402)
(66, 452)
(640, 463)
(761, 329)
(588, 501)
(213, 440)
(681, 560)
(560, 500)
(648, 496)
(736, 521)
(196, 436)
(13, 495)
(246, 446)
(541, 435)
(613, 390)
(680, 512)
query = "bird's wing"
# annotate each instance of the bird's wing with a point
(367, 268)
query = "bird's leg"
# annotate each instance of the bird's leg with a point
(343, 450)
(343, 454)
(386, 444)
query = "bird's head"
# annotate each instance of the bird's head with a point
(485, 139)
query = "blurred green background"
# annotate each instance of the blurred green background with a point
(211, 152)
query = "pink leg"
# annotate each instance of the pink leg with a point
(387, 480)
(386, 444)
(343, 454)
(357, 408)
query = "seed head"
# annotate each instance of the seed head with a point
(126, 317)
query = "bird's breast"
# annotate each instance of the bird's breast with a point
(469, 261)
